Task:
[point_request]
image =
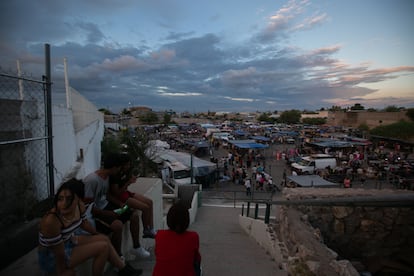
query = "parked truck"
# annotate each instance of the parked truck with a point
(310, 164)
(175, 174)
(177, 177)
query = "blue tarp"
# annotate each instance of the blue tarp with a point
(337, 143)
(286, 133)
(260, 138)
(240, 133)
(247, 144)
(332, 144)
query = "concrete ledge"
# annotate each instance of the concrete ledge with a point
(264, 236)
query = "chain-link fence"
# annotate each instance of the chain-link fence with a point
(23, 148)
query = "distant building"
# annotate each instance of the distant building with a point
(317, 114)
(356, 118)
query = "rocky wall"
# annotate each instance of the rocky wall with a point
(374, 239)
(307, 253)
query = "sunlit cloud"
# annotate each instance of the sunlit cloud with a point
(181, 94)
(240, 99)
(326, 50)
(162, 87)
(310, 22)
(282, 19)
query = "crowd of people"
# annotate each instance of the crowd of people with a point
(87, 219)
(246, 169)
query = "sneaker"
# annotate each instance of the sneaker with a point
(148, 234)
(128, 270)
(123, 260)
(140, 252)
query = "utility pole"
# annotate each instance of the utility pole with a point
(49, 134)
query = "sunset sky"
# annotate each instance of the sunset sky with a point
(227, 55)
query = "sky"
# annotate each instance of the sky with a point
(217, 55)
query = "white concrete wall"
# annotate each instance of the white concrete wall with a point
(194, 206)
(260, 232)
(89, 140)
(71, 137)
(64, 143)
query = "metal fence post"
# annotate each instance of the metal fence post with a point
(256, 211)
(267, 215)
(248, 209)
(49, 121)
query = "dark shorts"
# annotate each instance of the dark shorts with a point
(103, 222)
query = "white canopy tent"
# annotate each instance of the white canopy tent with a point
(159, 151)
(306, 181)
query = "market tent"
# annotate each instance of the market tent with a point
(201, 167)
(331, 143)
(240, 132)
(260, 138)
(154, 148)
(286, 133)
(196, 143)
(359, 141)
(312, 181)
(247, 144)
(208, 126)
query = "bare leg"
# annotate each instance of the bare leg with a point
(116, 239)
(113, 257)
(98, 250)
(134, 228)
(145, 205)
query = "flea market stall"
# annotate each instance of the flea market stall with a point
(306, 181)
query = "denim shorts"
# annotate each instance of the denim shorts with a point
(46, 257)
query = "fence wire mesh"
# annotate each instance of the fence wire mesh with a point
(23, 148)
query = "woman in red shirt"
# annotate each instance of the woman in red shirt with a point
(177, 249)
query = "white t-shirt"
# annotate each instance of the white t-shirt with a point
(247, 183)
(96, 188)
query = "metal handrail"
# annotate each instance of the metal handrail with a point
(244, 198)
(400, 201)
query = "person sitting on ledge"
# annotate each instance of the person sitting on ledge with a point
(61, 250)
(119, 195)
(108, 221)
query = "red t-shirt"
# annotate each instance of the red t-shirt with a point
(175, 253)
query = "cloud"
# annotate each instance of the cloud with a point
(282, 20)
(181, 94)
(184, 69)
(326, 50)
(240, 99)
(120, 64)
(178, 36)
(311, 22)
(93, 33)
(239, 77)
